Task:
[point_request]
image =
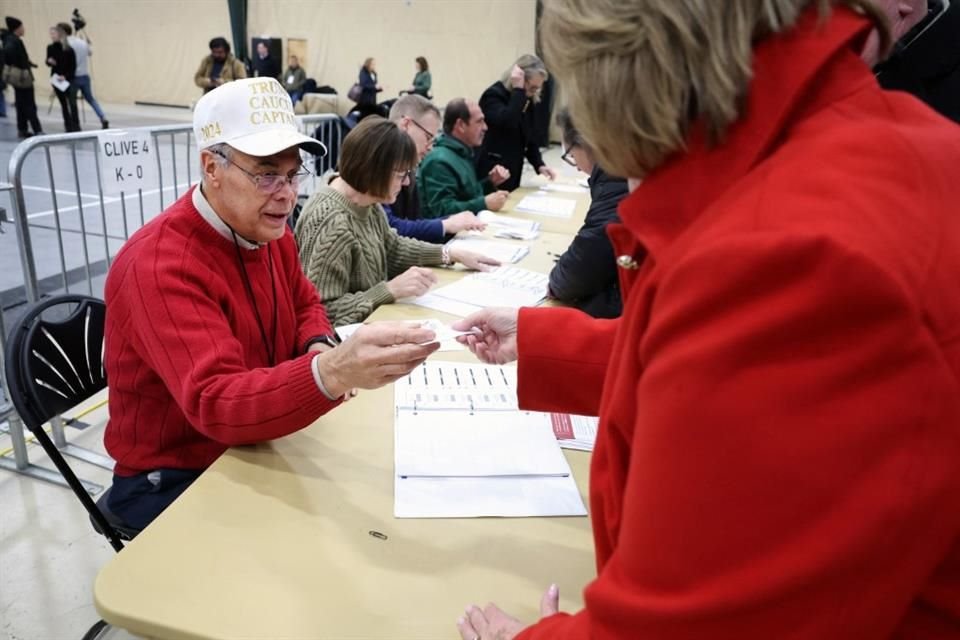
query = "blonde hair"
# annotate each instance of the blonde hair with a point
(531, 65)
(637, 73)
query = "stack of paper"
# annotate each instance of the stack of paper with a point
(547, 206)
(502, 287)
(463, 451)
(501, 251)
(575, 432)
(507, 227)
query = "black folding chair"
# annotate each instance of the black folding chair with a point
(54, 361)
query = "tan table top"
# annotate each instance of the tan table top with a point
(274, 541)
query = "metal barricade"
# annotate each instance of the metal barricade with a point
(69, 230)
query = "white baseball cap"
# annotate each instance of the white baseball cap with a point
(253, 115)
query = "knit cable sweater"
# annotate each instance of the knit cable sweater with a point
(349, 252)
(187, 370)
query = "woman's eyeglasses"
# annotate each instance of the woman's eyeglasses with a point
(404, 176)
(270, 182)
(568, 156)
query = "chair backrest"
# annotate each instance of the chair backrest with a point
(54, 357)
(53, 361)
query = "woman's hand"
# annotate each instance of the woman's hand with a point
(472, 260)
(413, 282)
(463, 221)
(492, 623)
(494, 340)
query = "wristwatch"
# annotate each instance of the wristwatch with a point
(331, 340)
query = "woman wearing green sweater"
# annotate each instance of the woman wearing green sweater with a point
(348, 251)
(422, 81)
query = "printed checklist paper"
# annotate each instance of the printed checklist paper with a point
(463, 449)
(547, 206)
(501, 287)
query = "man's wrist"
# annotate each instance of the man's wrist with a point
(329, 340)
(326, 381)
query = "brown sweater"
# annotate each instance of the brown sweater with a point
(349, 252)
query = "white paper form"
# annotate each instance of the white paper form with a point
(502, 287)
(521, 497)
(458, 386)
(503, 252)
(564, 188)
(547, 206)
(478, 444)
(432, 301)
(463, 449)
(507, 227)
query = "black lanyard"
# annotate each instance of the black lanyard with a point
(268, 347)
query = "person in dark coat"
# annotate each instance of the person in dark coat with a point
(369, 88)
(63, 62)
(585, 276)
(265, 65)
(507, 106)
(18, 74)
(926, 61)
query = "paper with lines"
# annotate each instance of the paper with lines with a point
(547, 206)
(462, 448)
(502, 287)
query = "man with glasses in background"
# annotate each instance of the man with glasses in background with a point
(447, 180)
(214, 337)
(420, 119)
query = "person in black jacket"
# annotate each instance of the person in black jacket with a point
(507, 106)
(926, 60)
(63, 62)
(19, 74)
(585, 276)
(369, 88)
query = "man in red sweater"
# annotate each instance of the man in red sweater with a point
(214, 337)
(778, 453)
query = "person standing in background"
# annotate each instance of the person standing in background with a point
(265, 65)
(422, 81)
(293, 79)
(82, 48)
(63, 65)
(507, 106)
(219, 67)
(17, 73)
(369, 88)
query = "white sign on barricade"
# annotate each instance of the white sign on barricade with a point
(127, 161)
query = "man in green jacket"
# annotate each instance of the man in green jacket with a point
(447, 179)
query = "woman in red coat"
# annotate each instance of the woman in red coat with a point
(779, 446)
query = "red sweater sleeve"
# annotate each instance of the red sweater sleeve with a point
(792, 458)
(183, 335)
(563, 357)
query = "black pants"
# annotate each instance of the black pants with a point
(68, 105)
(26, 111)
(138, 499)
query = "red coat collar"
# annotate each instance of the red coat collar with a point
(795, 74)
